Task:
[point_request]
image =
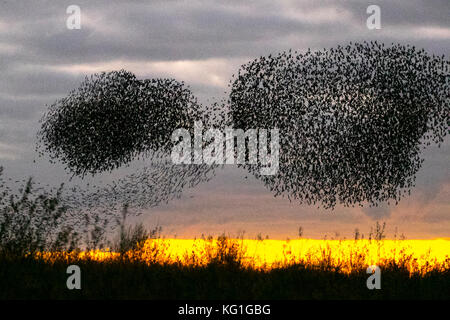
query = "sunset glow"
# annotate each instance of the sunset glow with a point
(343, 255)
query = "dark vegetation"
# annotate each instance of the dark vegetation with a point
(26, 278)
(30, 222)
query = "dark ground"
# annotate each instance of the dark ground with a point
(31, 279)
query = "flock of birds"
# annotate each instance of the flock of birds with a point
(109, 121)
(352, 121)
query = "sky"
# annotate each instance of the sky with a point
(203, 43)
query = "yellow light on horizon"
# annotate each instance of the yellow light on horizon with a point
(343, 255)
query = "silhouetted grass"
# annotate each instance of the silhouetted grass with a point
(29, 278)
(224, 276)
(36, 247)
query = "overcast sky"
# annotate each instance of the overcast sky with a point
(203, 43)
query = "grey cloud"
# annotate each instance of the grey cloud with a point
(411, 12)
(196, 30)
(35, 80)
(379, 212)
(21, 109)
(436, 217)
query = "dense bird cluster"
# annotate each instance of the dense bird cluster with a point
(112, 118)
(109, 121)
(352, 119)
